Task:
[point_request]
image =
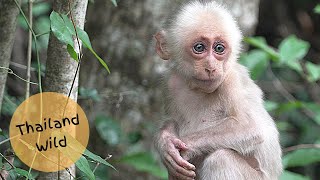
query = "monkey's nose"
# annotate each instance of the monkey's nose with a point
(210, 71)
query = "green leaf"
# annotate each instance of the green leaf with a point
(72, 52)
(97, 158)
(260, 42)
(68, 24)
(144, 162)
(83, 165)
(100, 60)
(292, 49)
(59, 29)
(83, 36)
(301, 157)
(86, 42)
(63, 29)
(313, 71)
(23, 173)
(317, 9)
(295, 66)
(1, 134)
(108, 129)
(315, 108)
(114, 2)
(256, 61)
(287, 175)
(270, 105)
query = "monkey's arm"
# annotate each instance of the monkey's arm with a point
(169, 147)
(231, 134)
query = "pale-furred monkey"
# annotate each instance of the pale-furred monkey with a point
(217, 127)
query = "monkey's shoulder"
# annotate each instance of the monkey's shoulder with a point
(249, 88)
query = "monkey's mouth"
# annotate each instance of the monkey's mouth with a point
(204, 81)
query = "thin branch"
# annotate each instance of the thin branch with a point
(71, 175)
(98, 164)
(30, 4)
(21, 66)
(4, 141)
(301, 146)
(38, 35)
(10, 71)
(286, 94)
(8, 161)
(35, 44)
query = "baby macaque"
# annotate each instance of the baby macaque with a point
(217, 127)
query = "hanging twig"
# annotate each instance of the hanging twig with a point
(79, 47)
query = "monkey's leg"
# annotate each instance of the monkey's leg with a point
(225, 164)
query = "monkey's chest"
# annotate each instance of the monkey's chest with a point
(200, 119)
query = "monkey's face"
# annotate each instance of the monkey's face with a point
(202, 44)
(206, 55)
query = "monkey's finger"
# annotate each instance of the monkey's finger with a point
(179, 144)
(180, 161)
(188, 172)
(178, 171)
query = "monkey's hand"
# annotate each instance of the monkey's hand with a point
(191, 150)
(187, 155)
(169, 149)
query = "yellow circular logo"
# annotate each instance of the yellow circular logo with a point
(49, 132)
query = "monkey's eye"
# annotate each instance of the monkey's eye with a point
(199, 48)
(219, 48)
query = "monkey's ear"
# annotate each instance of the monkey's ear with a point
(161, 45)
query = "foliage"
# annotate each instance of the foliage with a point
(144, 162)
(289, 58)
(112, 134)
(41, 23)
(63, 28)
(84, 166)
(301, 157)
(317, 9)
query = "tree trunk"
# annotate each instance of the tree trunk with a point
(131, 93)
(8, 16)
(61, 68)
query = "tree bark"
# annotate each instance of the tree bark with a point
(8, 22)
(61, 68)
(131, 93)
